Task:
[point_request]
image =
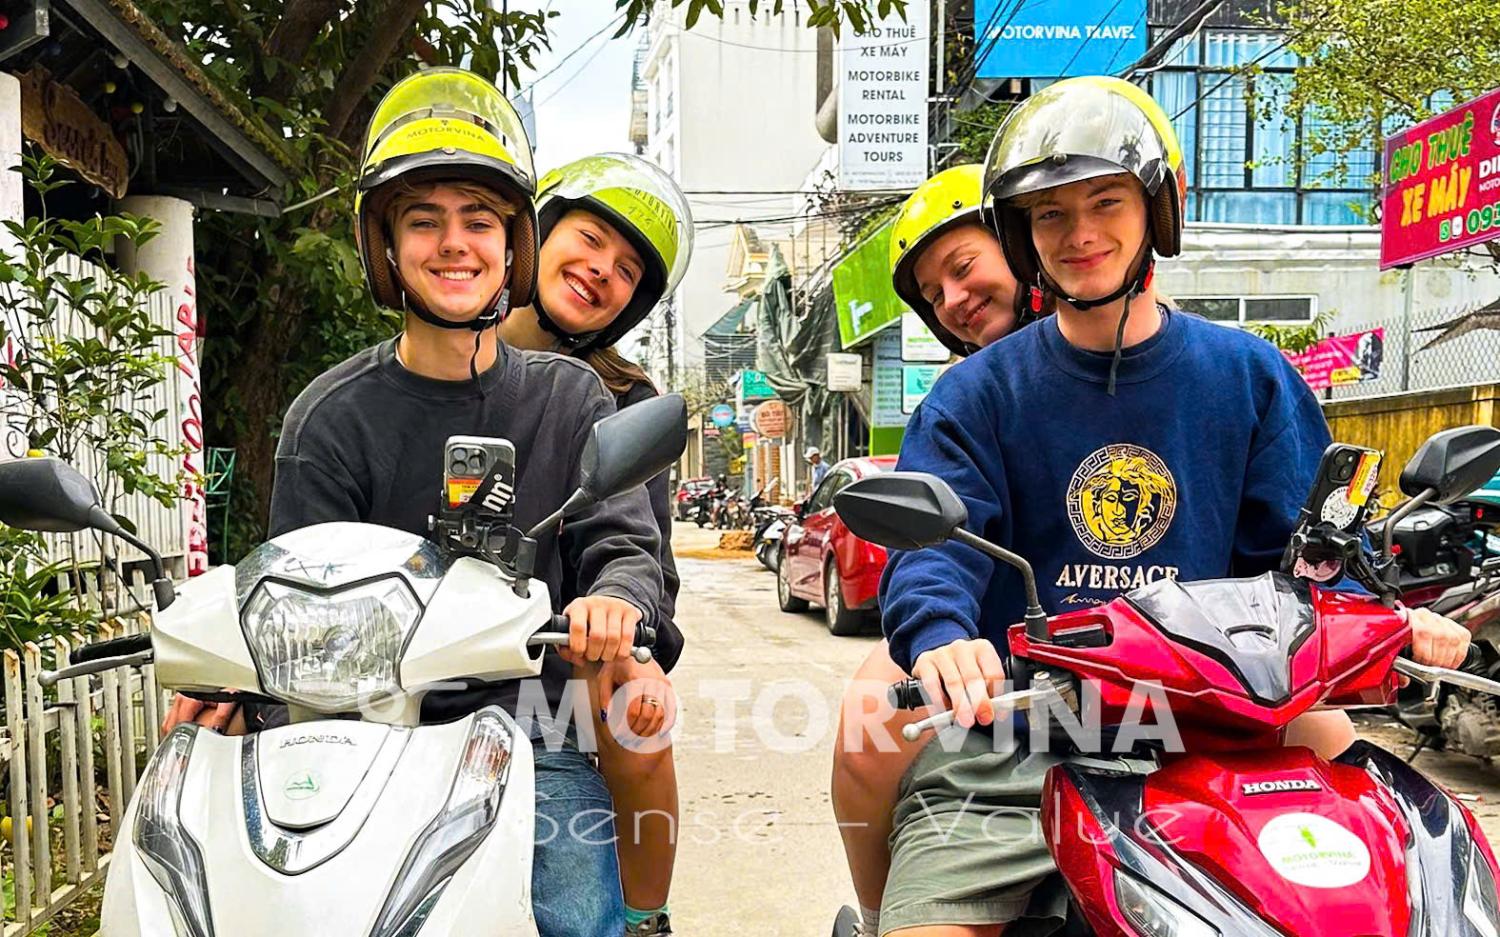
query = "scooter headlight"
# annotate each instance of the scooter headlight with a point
(1481, 905)
(330, 650)
(1153, 914)
(459, 828)
(168, 851)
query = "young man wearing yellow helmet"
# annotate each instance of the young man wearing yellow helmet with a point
(617, 235)
(1113, 444)
(446, 226)
(947, 265)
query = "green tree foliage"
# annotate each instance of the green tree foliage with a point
(1374, 66)
(86, 357)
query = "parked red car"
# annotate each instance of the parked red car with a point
(824, 564)
(687, 490)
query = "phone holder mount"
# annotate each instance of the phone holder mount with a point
(1323, 543)
(472, 529)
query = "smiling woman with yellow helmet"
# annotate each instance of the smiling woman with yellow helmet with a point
(946, 263)
(617, 236)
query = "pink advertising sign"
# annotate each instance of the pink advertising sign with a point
(1441, 190)
(1341, 359)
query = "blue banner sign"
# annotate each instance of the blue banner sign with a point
(1053, 39)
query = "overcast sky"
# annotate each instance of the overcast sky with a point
(583, 106)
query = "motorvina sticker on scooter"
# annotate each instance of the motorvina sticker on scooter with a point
(1314, 851)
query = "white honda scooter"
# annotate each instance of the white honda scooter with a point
(354, 819)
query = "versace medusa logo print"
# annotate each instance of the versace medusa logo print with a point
(1121, 500)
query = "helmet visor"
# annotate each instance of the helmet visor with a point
(1073, 131)
(439, 109)
(639, 195)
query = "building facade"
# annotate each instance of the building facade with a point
(714, 98)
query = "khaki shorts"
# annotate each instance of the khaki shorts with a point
(967, 845)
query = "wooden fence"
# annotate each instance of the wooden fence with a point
(1398, 424)
(50, 738)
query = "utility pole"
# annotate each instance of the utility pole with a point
(504, 54)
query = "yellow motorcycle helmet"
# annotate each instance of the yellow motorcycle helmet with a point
(649, 210)
(446, 125)
(1077, 129)
(948, 200)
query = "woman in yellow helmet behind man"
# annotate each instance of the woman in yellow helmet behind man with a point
(616, 237)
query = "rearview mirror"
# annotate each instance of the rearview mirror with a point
(901, 510)
(633, 446)
(1455, 462)
(50, 495)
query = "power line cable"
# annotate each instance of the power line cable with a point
(576, 49)
(1162, 46)
(1094, 32)
(742, 45)
(1237, 72)
(571, 78)
(991, 36)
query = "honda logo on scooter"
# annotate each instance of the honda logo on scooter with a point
(1278, 787)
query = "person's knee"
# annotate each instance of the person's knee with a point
(1329, 734)
(865, 771)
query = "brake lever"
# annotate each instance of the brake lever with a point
(1437, 675)
(1042, 691)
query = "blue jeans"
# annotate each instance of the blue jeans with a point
(575, 874)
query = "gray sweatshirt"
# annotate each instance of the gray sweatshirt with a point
(364, 442)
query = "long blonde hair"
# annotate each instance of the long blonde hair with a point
(617, 372)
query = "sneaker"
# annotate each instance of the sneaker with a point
(657, 925)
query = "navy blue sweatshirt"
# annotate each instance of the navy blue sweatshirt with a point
(1195, 469)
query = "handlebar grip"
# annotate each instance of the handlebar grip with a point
(114, 647)
(908, 694)
(1474, 661)
(645, 635)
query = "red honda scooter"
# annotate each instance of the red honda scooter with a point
(1231, 833)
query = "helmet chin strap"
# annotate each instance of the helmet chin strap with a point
(494, 312)
(1133, 286)
(549, 325)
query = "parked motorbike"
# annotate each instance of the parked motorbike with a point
(768, 534)
(1263, 839)
(702, 510)
(356, 818)
(735, 514)
(768, 521)
(1448, 558)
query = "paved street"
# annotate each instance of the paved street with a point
(759, 850)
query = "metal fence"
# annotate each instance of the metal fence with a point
(1418, 360)
(52, 742)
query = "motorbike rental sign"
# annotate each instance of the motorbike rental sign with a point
(1441, 191)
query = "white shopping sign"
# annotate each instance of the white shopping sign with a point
(883, 103)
